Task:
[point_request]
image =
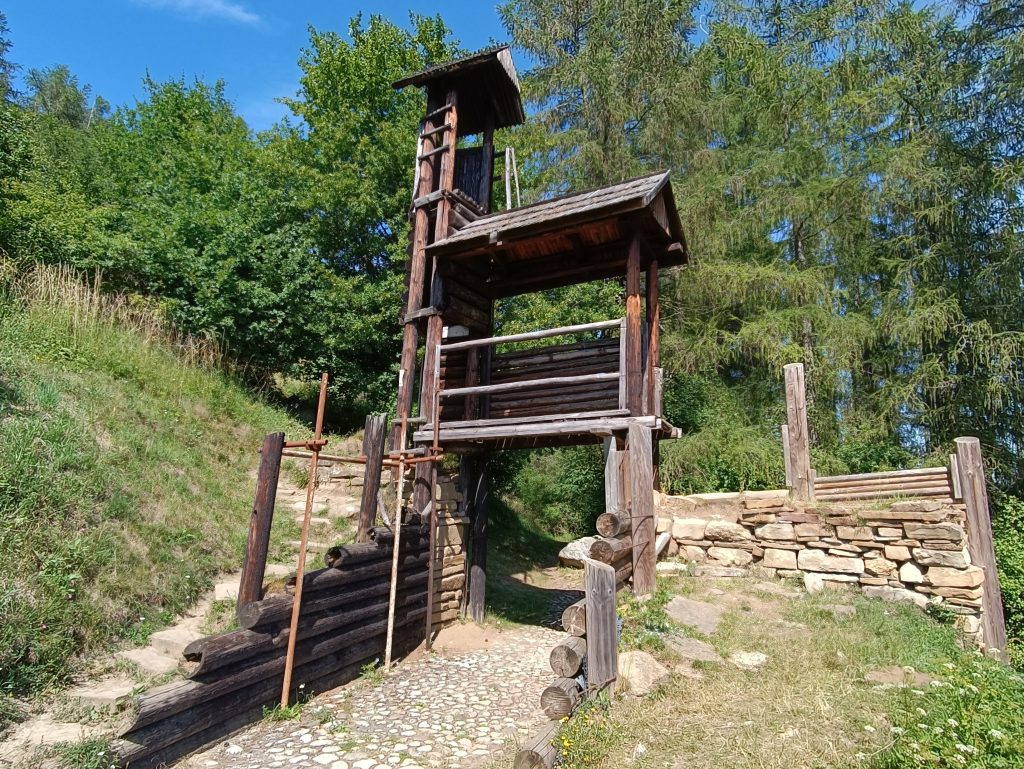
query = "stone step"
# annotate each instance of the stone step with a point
(149, 661)
(311, 547)
(172, 641)
(110, 694)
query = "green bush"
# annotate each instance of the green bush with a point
(562, 490)
(1008, 532)
(974, 717)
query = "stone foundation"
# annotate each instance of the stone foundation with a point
(914, 550)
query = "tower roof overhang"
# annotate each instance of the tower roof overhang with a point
(570, 239)
(485, 81)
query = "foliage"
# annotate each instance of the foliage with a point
(561, 490)
(582, 739)
(7, 67)
(115, 432)
(972, 717)
(644, 622)
(1007, 525)
(90, 754)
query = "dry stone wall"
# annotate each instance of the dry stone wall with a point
(913, 550)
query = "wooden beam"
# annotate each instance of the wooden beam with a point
(642, 499)
(530, 335)
(374, 437)
(634, 331)
(799, 440)
(254, 565)
(529, 384)
(614, 492)
(478, 541)
(602, 627)
(980, 542)
(653, 332)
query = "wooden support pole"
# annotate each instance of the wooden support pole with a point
(374, 436)
(787, 458)
(634, 331)
(398, 524)
(799, 440)
(653, 333)
(289, 659)
(642, 499)
(980, 542)
(478, 541)
(614, 491)
(250, 587)
(602, 627)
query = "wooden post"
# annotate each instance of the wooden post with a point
(374, 436)
(642, 496)
(250, 586)
(653, 334)
(602, 627)
(787, 458)
(614, 493)
(478, 541)
(634, 331)
(799, 442)
(980, 543)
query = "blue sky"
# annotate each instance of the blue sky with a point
(253, 45)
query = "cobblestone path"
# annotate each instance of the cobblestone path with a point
(441, 711)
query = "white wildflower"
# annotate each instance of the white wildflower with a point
(869, 729)
(953, 722)
(995, 734)
(898, 730)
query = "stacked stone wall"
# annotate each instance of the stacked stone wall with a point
(912, 550)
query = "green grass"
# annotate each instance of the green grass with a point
(125, 486)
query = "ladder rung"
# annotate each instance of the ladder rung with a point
(439, 129)
(439, 111)
(439, 150)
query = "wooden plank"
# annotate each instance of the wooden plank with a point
(254, 564)
(642, 499)
(622, 365)
(374, 436)
(528, 420)
(529, 384)
(588, 426)
(634, 331)
(954, 477)
(614, 492)
(530, 335)
(980, 542)
(478, 543)
(602, 627)
(827, 479)
(787, 458)
(653, 333)
(913, 481)
(799, 440)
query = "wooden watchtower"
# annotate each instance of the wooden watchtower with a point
(563, 386)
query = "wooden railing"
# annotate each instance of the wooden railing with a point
(929, 482)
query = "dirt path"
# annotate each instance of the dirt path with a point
(460, 707)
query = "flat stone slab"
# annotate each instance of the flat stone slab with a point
(671, 568)
(41, 731)
(897, 676)
(172, 641)
(692, 649)
(640, 673)
(752, 662)
(225, 591)
(149, 661)
(718, 571)
(108, 694)
(702, 617)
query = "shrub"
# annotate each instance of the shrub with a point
(1008, 532)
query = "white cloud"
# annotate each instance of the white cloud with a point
(220, 8)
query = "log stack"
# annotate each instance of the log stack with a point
(232, 676)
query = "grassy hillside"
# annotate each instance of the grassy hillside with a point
(125, 461)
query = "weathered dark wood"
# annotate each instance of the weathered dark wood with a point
(614, 524)
(529, 384)
(799, 441)
(566, 658)
(539, 752)
(611, 550)
(321, 579)
(574, 618)
(602, 630)
(250, 587)
(478, 543)
(531, 335)
(980, 542)
(634, 331)
(560, 699)
(374, 437)
(642, 501)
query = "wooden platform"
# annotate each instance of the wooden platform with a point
(541, 431)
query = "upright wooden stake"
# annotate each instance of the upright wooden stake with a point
(289, 659)
(374, 437)
(389, 639)
(250, 586)
(642, 497)
(614, 493)
(787, 457)
(653, 333)
(478, 549)
(634, 331)
(602, 627)
(799, 441)
(980, 543)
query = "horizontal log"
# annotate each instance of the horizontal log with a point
(890, 483)
(453, 425)
(614, 524)
(560, 699)
(553, 410)
(555, 369)
(321, 579)
(539, 752)
(592, 426)
(213, 652)
(528, 385)
(574, 618)
(942, 492)
(882, 475)
(342, 556)
(566, 659)
(610, 550)
(568, 348)
(531, 335)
